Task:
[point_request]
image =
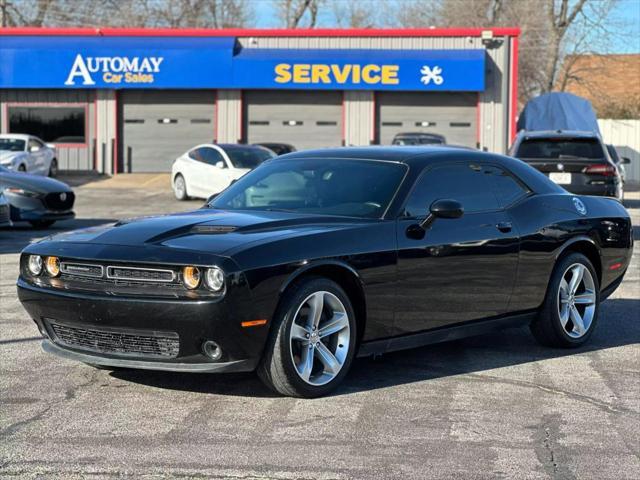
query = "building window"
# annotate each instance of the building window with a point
(51, 124)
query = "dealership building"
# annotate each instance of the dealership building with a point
(132, 100)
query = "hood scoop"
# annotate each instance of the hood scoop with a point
(213, 229)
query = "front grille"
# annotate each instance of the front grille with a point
(82, 269)
(59, 201)
(140, 274)
(117, 342)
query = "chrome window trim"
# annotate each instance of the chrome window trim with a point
(142, 280)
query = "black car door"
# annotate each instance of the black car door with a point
(460, 269)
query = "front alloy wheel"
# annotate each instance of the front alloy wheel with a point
(319, 338)
(180, 187)
(312, 339)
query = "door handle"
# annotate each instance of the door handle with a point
(504, 227)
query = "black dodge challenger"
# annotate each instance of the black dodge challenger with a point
(318, 256)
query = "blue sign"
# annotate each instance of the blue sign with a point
(213, 62)
(114, 62)
(426, 70)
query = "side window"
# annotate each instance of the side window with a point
(468, 184)
(196, 154)
(507, 189)
(34, 143)
(211, 156)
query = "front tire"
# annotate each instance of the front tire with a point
(569, 313)
(312, 341)
(180, 187)
(53, 168)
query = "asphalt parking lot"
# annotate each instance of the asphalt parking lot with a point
(496, 406)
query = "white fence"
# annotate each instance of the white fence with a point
(625, 136)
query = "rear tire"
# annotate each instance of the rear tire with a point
(569, 313)
(180, 188)
(42, 223)
(308, 354)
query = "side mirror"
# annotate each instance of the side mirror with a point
(220, 164)
(444, 208)
(625, 160)
(34, 148)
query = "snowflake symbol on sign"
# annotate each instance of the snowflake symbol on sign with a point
(429, 74)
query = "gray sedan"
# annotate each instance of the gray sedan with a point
(41, 201)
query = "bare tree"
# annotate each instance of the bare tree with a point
(125, 13)
(13, 13)
(357, 14)
(551, 31)
(293, 12)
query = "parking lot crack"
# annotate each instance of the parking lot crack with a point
(547, 449)
(14, 427)
(556, 391)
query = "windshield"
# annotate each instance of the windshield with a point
(247, 157)
(560, 148)
(12, 144)
(353, 188)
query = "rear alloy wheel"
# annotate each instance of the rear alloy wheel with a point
(312, 342)
(53, 168)
(570, 311)
(180, 187)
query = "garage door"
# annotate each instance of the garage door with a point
(158, 126)
(303, 119)
(450, 114)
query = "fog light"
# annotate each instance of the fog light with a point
(191, 277)
(35, 265)
(53, 266)
(212, 350)
(214, 279)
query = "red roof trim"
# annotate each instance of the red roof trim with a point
(237, 32)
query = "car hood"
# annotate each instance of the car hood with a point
(206, 230)
(32, 183)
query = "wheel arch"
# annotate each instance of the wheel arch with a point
(344, 275)
(587, 247)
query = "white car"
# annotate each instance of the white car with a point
(208, 169)
(28, 154)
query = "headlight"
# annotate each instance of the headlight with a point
(214, 279)
(53, 266)
(34, 265)
(191, 277)
(21, 191)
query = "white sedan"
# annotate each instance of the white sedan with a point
(28, 154)
(208, 169)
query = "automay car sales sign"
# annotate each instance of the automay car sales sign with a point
(218, 62)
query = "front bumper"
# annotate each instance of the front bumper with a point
(218, 367)
(191, 321)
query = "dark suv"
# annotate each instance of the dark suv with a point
(577, 161)
(418, 138)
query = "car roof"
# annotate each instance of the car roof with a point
(409, 154)
(559, 133)
(17, 136)
(418, 134)
(232, 146)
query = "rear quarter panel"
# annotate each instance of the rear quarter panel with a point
(550, 224)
